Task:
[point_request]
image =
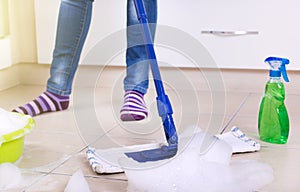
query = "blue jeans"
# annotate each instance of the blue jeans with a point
(72, 28)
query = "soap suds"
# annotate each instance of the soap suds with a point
(192, 170)
(11, 122)
(10, 176)
(77, 183)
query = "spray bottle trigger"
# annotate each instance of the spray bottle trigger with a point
(283, 72)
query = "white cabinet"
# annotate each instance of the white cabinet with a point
(274, 20)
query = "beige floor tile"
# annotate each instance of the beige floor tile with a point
(45, 151)
(49, 183)
(28, 179)
(55, 149)
(57, 183)
(79, 161)
(19, 95)
(293, 105)
(284, 163)
(251, 105)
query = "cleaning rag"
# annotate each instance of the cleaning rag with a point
(239, 142)
(100, 166)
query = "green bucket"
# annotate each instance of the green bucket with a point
(12, 144)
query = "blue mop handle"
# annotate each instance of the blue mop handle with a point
(163, 103)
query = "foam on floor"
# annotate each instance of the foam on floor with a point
(203, 164)
(77, 183)
(10, 176)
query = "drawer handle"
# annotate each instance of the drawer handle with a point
(230, 33)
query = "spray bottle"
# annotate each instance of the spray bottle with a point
(273, 120)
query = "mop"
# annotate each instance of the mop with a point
(239, 142)
(163, 103)
(107, 161)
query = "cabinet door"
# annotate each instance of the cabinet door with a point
(274, 20)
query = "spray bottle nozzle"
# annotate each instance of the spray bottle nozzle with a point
(278, 67)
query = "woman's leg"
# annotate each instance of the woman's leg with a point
(136, 55)
(136, 80)
(72, 28)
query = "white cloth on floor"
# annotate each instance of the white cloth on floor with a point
(239, 142)
(100, 166)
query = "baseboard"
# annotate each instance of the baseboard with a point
(241, 80)
(9, 77)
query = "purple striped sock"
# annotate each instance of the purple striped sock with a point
(134, 107)
(46, 102)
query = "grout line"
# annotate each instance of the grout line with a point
(89, 144)
(47, 173)
(105, 177)
(34, 183)
(98, 176)
(235, 113)
(95, 140)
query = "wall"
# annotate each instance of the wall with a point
(4, 26)
(20, 30)
(5, 53)
(22, 27)
(20, 44)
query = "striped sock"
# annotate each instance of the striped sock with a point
(46, 102)
(134, 107)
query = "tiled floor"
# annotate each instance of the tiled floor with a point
(55, 149)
